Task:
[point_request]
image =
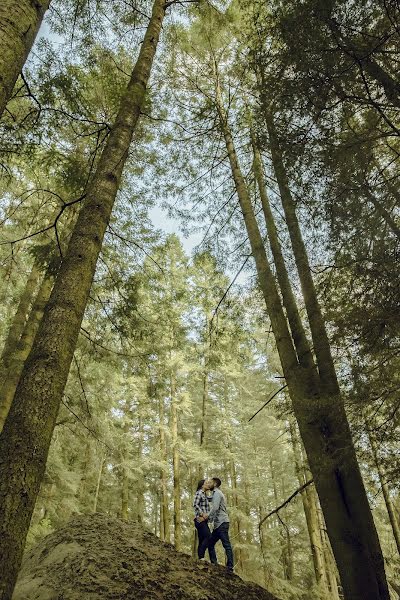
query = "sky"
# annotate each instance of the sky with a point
(157, 215)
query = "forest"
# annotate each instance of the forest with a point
(199, 277)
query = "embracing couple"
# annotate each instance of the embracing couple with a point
(210, 509)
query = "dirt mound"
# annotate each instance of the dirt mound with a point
(95, 557)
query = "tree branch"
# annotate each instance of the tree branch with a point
(276, 510)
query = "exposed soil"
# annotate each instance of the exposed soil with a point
(98, 557)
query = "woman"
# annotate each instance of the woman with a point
(202, 507)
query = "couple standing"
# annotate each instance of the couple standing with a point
(210, 508)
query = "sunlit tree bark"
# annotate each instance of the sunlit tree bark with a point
(19, 24)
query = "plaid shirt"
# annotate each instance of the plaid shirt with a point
(201, 503)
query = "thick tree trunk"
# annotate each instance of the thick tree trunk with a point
(327, 416)
(16, 359)
(323, 425)
(25, 440)
(176, 467)
(385, 490)
(20, 21)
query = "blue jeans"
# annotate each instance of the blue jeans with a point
(221, 533)
(204, 534)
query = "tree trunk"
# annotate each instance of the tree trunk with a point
(19, 320)
(82, 492)
(311, 516)
(385, 490)
(340, 474)
(296, 326)
(330, 564)
(125, 455)
(204, 408)
(176, 468)
(317, 325)
(165, 532)
(139, 482)
(25, 440)
(278, 523)
(98, 483)
(323, 426)
(237, 522)
(16, 359)
(20, 21)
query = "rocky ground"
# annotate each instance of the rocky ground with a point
(97, 557)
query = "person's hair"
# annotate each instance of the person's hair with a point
(200, 484)
(217, 481)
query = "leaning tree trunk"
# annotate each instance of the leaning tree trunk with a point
(19, 23)
(296, 325)
(317, 325)
(25, 440)
(323, 426)
(17, 358)
(19, 320)
(351, 511)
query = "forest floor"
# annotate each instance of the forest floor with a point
(96, 557)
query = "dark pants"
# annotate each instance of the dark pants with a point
(204, 534)
(221, 533)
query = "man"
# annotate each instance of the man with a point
(219, 517)
(202, 506)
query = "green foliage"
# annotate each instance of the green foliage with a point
(157, 317)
